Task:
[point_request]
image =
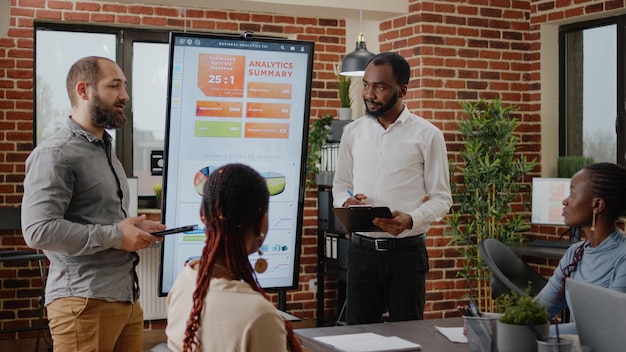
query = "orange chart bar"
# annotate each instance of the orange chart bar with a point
(266, 130)
(269, 90)
(221, 75)
(219, 108)
(268, 110)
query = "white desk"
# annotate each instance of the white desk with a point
(422, 332)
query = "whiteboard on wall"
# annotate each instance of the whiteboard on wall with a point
(547, 200)
(236, 99)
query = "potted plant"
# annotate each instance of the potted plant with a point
(519, 314)
(567, 166)
(320, 128)
(485, 183)
(158, 194)
(343, 86)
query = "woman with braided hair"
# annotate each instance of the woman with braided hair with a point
(216, 303)
(596, 201)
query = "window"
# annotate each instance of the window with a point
(143, 55)
(55, 52)
(592, 99)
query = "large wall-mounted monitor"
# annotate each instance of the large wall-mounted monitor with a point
(547, 201)
(236, 99)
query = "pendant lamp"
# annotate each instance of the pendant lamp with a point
(354, 63)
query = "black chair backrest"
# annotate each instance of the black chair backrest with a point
(509, 272)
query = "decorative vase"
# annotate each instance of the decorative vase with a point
(345, 114)
(518, 338)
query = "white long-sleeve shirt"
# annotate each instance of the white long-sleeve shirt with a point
(397, 167)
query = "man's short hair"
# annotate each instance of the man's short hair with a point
(400, 67)
(86, 69)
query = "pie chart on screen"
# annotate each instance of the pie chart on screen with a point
(201, 176)
(276, 182)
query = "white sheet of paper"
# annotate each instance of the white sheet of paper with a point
(453, 334)
(368, 342)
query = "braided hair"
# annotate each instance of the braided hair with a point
(235, 200)
(606, 181)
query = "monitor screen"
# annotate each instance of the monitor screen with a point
(236, 99)
(547, 200)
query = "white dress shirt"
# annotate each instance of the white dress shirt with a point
(397, 167)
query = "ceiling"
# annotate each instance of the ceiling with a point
(372, 9)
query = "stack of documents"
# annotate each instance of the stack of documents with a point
(368, 342)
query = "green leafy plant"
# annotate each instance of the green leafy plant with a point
(490, 179)
(518, 309)
(567, 166)
(158, 191)
(343, 85)
(320, 128)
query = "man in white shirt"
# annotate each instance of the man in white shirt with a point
(390, 157)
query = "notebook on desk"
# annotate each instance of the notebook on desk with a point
(599, 315)
(368, 342)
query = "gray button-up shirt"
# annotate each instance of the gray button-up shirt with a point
(75, 193)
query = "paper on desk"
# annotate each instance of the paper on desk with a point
(453, 334)
(368, 342)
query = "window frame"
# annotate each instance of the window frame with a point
(125, 37)
(620, 126)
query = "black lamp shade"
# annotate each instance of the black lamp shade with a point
(354, 63)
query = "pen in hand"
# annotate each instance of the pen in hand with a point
(359, 198)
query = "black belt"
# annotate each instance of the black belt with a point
(388, 244)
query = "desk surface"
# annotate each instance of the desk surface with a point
(422, 332)
(539, 252)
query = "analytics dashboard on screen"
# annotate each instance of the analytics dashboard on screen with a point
(236, 99)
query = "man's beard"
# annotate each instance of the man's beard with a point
(384, 108)
(104, 115)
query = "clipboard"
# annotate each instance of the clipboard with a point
(359, 218)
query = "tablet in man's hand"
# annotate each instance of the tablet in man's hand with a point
(174, 230)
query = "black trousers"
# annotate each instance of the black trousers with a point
(380, 281)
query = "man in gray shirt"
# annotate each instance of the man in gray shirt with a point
(75, 208)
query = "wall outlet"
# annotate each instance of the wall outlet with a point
(312, 284)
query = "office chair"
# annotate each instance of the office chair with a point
(509, 272)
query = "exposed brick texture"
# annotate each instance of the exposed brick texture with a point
(461, 50)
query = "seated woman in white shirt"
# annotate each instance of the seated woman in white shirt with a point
(596, 201)
(216, 303)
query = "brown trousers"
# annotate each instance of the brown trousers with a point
(85, 325)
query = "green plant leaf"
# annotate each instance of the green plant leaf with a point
(320, 128)
(491, 174)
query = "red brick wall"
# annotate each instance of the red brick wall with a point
(463, 51)
(16, 115)
(459, 50)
